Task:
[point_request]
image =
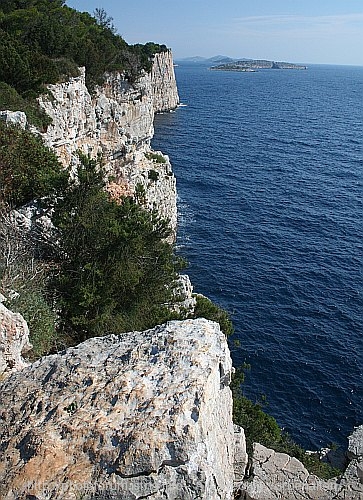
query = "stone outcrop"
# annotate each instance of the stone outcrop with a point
(355, 444)
(277, 475)
(132, 416)
(165, 92)
(14, 117)
(185, 300)
(14, 340)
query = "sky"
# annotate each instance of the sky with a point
(305, 31)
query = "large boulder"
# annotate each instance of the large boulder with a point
(14, 118)
(132, 416)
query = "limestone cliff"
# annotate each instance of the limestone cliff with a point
(143, 414)
(116, 120)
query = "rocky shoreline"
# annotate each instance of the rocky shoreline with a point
(144, 414)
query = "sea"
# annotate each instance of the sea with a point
(269, 169)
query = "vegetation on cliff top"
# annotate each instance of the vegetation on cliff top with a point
(44, 41)
(111, 270)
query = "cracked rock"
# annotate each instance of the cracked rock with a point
(140, 415)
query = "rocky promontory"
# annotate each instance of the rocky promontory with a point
(140, 414)
(143, 414)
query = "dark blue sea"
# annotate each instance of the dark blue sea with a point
(269, 169)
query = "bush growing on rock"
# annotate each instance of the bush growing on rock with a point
(28, 169)
(205, 308)
(117, 272)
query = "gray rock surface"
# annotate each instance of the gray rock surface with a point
(240, 456)
(279, 476)
(14, 340)
(14, 117)
(185, 300)
(163, 83)
(355, 443)
(132, 416)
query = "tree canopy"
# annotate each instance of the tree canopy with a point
(44, 41)
(117, 273)
(28, 169)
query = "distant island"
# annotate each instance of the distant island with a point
(251, 65)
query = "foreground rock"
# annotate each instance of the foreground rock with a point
(133, 416)
(14, 340)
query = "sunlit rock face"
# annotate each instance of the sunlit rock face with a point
(136, 415)
(116, 121)
(165, 91)
(14, 340)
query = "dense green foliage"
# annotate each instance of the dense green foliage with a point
(28, 169)
(12, 101)
(35, 306)
(117, 272)
(43, 41)
(263, 428)
(205, 308)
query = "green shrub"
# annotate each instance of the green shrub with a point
(12, 101)
(117, 272)
(28, 169)
(40, 317)
(153, 175)
(156, 157)
(140, 194)
(205, 308)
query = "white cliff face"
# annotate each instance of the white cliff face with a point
(132, 416)
(117, 122)
(163, 81)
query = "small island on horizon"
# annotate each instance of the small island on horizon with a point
(252, 65)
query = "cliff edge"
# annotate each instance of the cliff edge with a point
(143, 414)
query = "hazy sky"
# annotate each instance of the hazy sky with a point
(310, 31)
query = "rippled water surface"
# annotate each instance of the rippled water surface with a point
(269, 168)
